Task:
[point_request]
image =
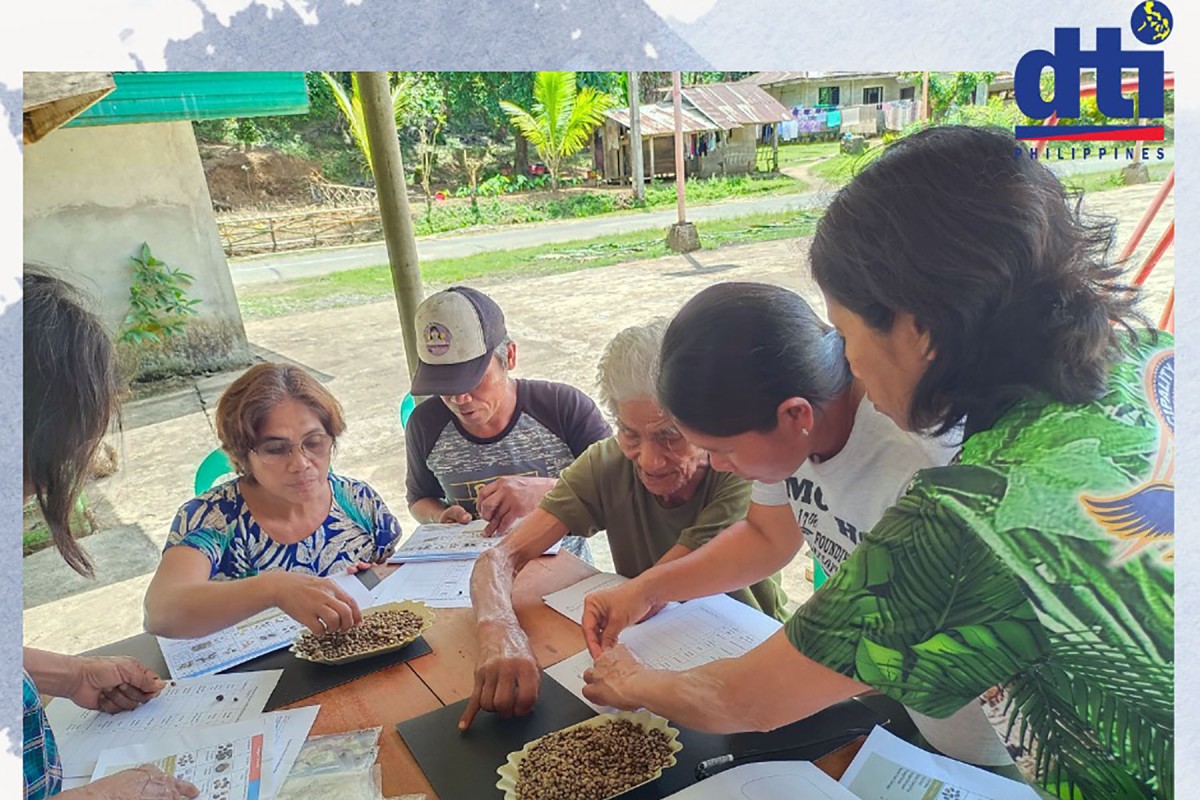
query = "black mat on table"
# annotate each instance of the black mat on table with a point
(300, 679)
(463, 765)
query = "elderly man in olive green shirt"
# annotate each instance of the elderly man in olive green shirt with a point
(653, 493)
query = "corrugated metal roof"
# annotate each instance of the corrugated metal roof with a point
(732, 105)
(777, 78)
(658, 119)
(171, 96)
(709, 107)
(769, 78)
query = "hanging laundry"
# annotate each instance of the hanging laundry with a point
(833, 119)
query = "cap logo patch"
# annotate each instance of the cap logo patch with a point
(437, 339)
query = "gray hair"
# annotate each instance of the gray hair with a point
(628, 366)
(501, 352)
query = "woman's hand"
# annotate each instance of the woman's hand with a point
(607, 612)
(317, 603)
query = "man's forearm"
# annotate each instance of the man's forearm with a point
(495, 570)
(491, 586)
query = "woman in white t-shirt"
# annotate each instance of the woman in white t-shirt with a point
(752, 375)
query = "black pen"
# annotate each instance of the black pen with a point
(712, 766)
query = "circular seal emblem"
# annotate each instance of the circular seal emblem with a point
(437, 339)
(1152, 22)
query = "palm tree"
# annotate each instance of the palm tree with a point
(561, 121)
(350, 104)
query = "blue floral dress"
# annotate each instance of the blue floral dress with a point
(219, 524)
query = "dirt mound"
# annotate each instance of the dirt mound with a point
(261, 178)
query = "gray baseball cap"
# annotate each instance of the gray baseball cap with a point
(457, 330)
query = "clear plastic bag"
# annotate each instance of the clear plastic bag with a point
(342, 785)
(340, 765)
(354, 751)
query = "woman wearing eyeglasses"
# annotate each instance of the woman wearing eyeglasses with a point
(269, 537)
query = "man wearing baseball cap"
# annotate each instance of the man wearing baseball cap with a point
(489, 445)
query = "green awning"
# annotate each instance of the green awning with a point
(173, 96)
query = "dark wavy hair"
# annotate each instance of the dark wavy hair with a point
(989, 253)
(735, 351)
(71, 393)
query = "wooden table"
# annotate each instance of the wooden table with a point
(446, 676)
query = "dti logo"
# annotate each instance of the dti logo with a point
(1151, 23)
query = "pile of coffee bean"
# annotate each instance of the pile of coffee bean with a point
(378, 630)
(592, 763)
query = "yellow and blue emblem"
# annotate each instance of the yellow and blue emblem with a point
(1145, 516)
(1151, 22)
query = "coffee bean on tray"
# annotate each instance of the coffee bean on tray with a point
(592, 762)
(378, 630)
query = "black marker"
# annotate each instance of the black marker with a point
(711, 766)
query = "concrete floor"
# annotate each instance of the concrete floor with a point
(560, 324)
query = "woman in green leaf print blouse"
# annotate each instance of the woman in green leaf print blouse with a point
(970, 290)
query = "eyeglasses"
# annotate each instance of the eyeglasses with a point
(278, 451)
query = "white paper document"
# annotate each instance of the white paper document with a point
(226, 762)
(182, 704)
(261, 634)
(569, 601)
(438, 584)
(768, 780)
(681, 637)
(449, 542)
(352, 586)
(290, 731)
(888, 768)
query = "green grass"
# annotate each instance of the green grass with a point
(799, 154)
(510, 210)
(1089, 182)
(34, 539)
(371, 284)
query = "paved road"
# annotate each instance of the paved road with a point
(309, 263)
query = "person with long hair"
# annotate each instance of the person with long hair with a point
(970, 290)
(760, 383)
(70, 394)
